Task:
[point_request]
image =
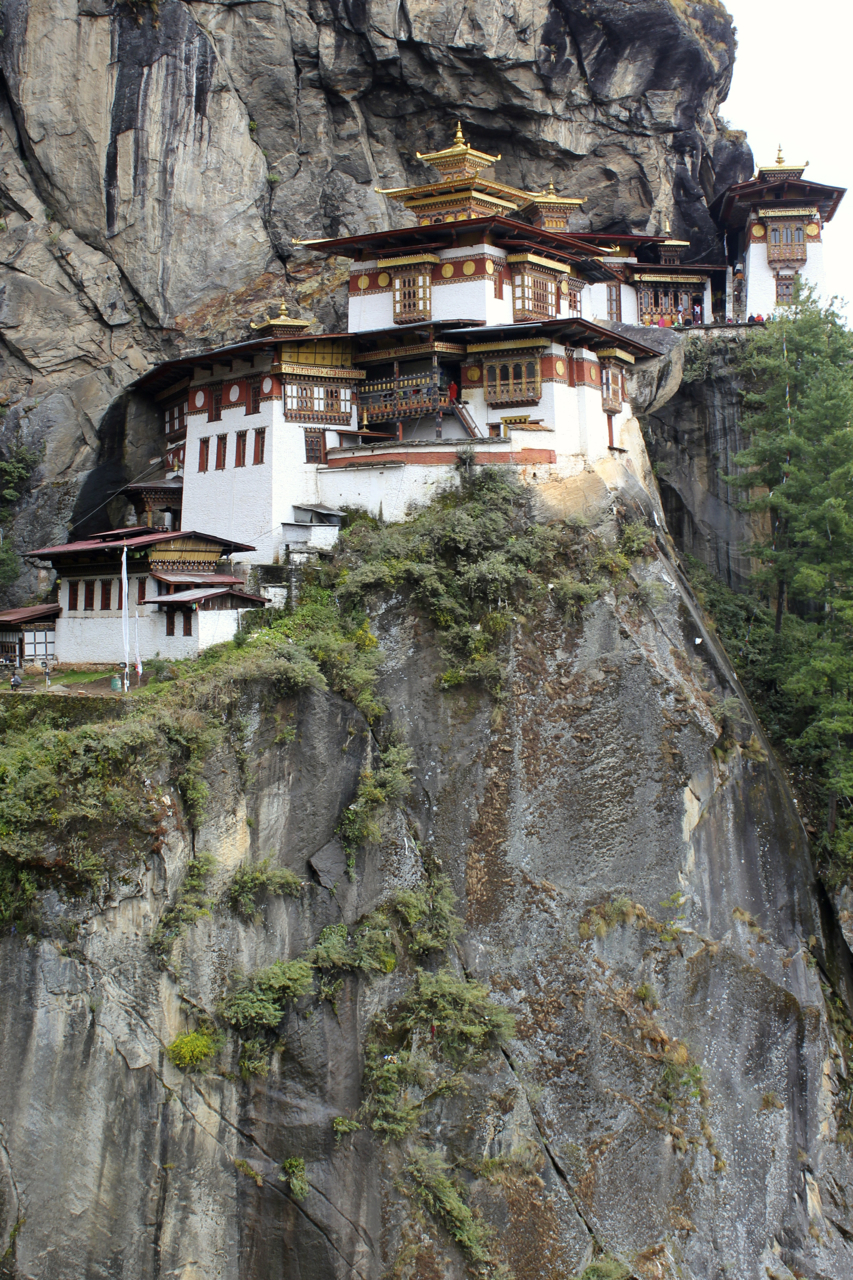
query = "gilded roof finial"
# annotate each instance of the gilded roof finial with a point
(666, 227)
(459, 140)
(552, 190)
(780, 159)
(281, 319)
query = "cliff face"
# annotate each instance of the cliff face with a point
(636, 889)
(159, 163)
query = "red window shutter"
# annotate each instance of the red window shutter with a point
(204, 453)
(73, 595)
(170, 622)
(89, 594)
(260, 446)
(106, 593)
(221, 450)
(240, 453)
(140, 591)
(188, 622)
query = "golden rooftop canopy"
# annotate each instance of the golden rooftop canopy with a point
(459, 161)
(780, 169)
(280, 326)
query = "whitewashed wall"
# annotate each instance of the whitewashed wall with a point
(390, 491)
(98, 638)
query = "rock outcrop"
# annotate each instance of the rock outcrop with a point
(159, 164)
(636, 890)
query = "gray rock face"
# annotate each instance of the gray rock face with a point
(160, 163)
(604, 840)
(692, 432)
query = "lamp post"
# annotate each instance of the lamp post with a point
(46, 669)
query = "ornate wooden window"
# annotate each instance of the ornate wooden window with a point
(611, 388)
(614, 302)
(89, 595)
(412, 295)
(314, 446)
(106, 593)
(204, 453)
(240, 450)
(512, 381)
(787, 242)
(188, 622)
(140, 590)
(253, 399)
(534, 295)
(260, 447)
(317, 402)
(785, 289)
(221, 451)
(73, 595)
(170, 622)
(215, 412)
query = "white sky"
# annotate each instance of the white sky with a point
(792, 84)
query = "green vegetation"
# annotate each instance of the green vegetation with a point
(260, 1001)
(376, 789)
(443, 1021)
(193, 1050)
(293, 1173)
(15, 473)
(443, 1197)
(243, 1166)
(604, 1268)
(647, 995)
(192, 902)
(791, 639)
(429, 915)
(252, 881)
(370, 949)
(342, 1126)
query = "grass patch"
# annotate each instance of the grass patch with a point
(444, 1197)
(293, 1173)
(192, 1051)
(253, 881)
(260, 1001)
(192, 902)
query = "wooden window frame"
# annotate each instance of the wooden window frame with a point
(188, 621)
(204, 453)
(534, 294)
(259, 447)
(412, 294)
(614, 302)
(140, 590)
(505, 386)
(315, 447)
(73, 595)
(785, 284)
(611, 388)
(240, 449)
(89, 595)
(106, 595)
(170, 622)
(221, 452)
(306, 401)
(253, 397)
(214, 413)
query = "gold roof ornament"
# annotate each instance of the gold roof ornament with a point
(460, 160)
(281, 325)
(779, 169)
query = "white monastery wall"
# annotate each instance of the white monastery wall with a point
(215, 626)
(813, 271)
(462, 299)
(760, 281)
(236, 502)
(392, 490)
(594, 302)
(631, 304)
(708, 302)
(564, 418)
(94, 637)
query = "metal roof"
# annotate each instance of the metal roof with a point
(118, 539)
(193, 597)
(20, 617)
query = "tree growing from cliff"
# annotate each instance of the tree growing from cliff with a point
(798, 472)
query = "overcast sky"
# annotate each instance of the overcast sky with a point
(792, 84)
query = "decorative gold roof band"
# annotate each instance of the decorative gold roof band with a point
(403, 353)
(282, 320)
(615, 353)
(451, 186)
(510, 346)
(342, 374)
(788, 213)
(672, 279)
(412, 260)
(536, 261)
(460, 198)
(550, 197)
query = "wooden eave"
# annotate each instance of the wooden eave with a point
(732, 208)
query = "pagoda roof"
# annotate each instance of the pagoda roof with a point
(135, 538)
(732, 208)
(436, 235)
(572, 328)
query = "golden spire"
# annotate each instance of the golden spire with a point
(780, 159)
(552, 190)
(282, 319)
(459, 140)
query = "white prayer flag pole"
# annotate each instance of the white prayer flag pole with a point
(125, 617)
